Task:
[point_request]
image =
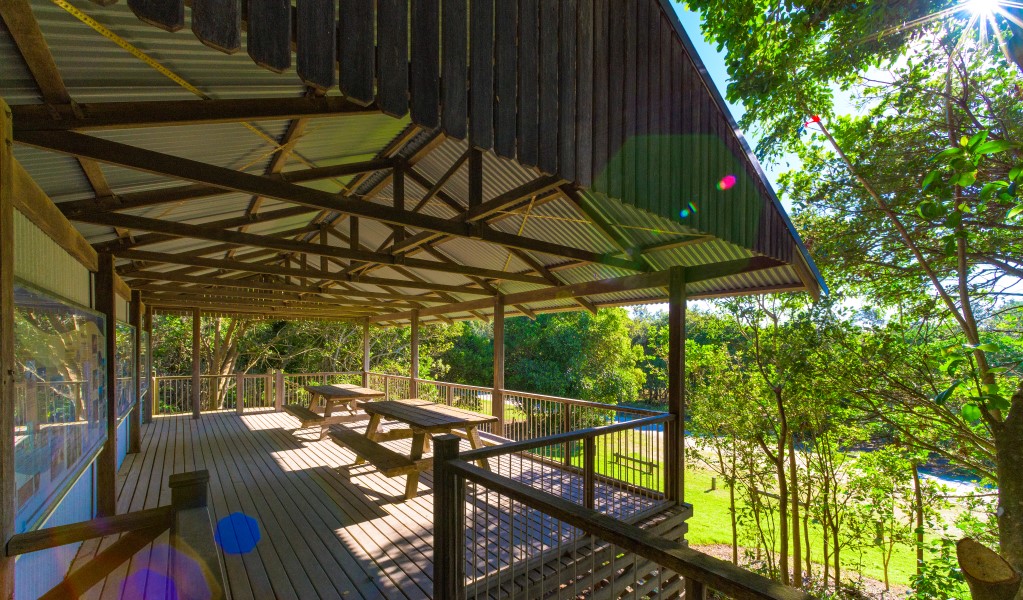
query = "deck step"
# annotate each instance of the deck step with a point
(387, 461)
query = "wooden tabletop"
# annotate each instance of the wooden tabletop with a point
(426, 415)
(343, 391)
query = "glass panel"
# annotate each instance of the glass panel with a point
(144, 361)
(60, 406)
(124, 390)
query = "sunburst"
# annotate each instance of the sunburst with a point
(981, 16)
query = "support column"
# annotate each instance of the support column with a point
(674, 448)
(135, 417)
(365, 352)
(149, 402)
(414, 383)
(8, 493)
(196, 363)
(498, 393)
(106, 464)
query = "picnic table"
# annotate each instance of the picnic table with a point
(424, 419)
(345, 395)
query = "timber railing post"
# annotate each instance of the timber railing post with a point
(106, 464)
(239, 393)
(279, 391)
(413, 384)
(365, 351)
(695, 590)
(674, 435)
(589, 471)
(135, 420)
(196, 363)
(566, 425)
(149, 403)
(449, 521)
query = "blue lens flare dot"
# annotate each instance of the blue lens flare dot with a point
(688, 211)
(237, 533)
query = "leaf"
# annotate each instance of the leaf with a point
(989, 189)
(950, 247)
(997, 402)
(967, 179)
(971, 412)
(946, 153)
(990, 389)
(963, 141)
(1015, 172)
(930, 210)
(988, 347)
(931, 177)
(943, 397)
(998, 370)
(995, 146)
(951, 364)
(977, 139)
(1014, 212)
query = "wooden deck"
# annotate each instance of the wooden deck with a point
(326, 532)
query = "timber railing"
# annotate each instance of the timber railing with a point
(191, 539)
(542, 540)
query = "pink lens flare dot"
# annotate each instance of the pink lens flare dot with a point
(727, 182)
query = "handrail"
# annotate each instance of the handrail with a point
(561, 438)
(586, 403)
(709, 571)
(187, 518)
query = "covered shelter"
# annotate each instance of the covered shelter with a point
(394, 162)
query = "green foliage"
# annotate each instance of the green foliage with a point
(941, 578)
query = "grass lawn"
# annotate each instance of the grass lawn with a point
(711, 524)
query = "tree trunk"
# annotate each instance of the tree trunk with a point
(806, 532)
(990, 577)
(1009, 453)
(797, 554)
(919, 509)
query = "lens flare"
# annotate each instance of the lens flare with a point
(727, 182)
(237, 533)
(688, 211)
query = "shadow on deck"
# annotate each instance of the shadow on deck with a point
(325, 531)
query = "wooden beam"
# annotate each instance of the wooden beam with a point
(251, 267)
(196, 363)
(338, 298)
(203, 232)
(186, 300)
(8, 362)
(200, 191)
(676, 242)
(643, 281)
(106, 463)
(77, 144)
(249, 284)
(157, 238)
(249, 308)
(128, 115)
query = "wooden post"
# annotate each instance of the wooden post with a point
(279, 391)
(695, 590)
(8, 492)
(589, 471)
(196, 363)
(498, 393)
(448, 520)
(239, 393)
(106, 464)
(135, 418)
(414, 381)
(675, 432)
(192, 538)
(566, 426)
(149, 405)
(365, 352)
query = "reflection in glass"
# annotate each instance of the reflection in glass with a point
(124, 389)
(60, 397)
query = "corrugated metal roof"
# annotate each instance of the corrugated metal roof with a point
(96, 70)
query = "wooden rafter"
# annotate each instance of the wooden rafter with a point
(126, 115)
(137, 158)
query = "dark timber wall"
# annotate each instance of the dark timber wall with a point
(604, 93)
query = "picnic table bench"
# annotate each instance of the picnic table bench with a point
(345, 394)
(425, 419)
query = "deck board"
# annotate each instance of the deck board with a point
(328, 531)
